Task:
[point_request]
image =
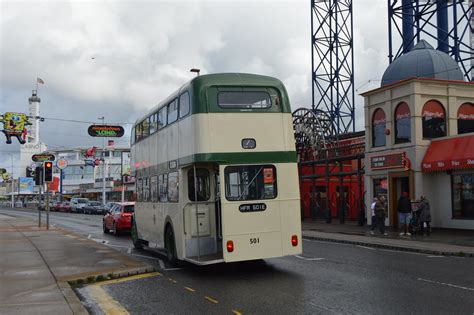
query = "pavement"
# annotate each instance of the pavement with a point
(450, 242)
(37, 267)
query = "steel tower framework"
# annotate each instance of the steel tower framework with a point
(446, 22)
(333, 62)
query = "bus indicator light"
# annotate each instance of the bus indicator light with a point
(230, 246)
(294, 240)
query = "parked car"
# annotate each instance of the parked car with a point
(109, 205)
(56, 206)
(65, 206)
(77, 204)
(93, 207)
(119, 218)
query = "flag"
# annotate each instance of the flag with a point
(39, 80)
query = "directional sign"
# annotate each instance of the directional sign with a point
(61, 164)
(105, 131)
(2, 171)
(42, 157)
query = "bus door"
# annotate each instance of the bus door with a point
(201, 217)
(251, 222)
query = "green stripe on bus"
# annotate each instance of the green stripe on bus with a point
(224, 158)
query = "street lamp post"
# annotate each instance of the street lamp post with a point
(13, 184)
(103, 164)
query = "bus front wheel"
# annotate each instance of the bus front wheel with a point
(170, 245)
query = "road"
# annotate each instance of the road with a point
(328, 278)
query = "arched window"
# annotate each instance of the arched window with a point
(378, 128)
(402, 123)
(466, 118)
(434, 120)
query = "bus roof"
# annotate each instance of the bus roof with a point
(200, 84)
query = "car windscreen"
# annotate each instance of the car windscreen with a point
(129, 209)
(82, 201)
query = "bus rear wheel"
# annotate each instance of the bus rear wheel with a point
(170, 245)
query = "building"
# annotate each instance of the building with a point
(84, 172)
(420, 137)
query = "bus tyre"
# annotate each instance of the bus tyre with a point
(137, 243)
(170, 245)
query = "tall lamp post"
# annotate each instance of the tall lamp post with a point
(103, 164)
(13, 184)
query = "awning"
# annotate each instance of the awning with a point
(449, 154)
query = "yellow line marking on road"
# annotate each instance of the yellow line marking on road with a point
(211, 299)
(136, 277)
(236, 312)
(190, 289)
(107, 304)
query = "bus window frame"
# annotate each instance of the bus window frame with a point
(180, 116)
(208, 186)
(161, 179)
(228, 169)
(175, 101)
(168, 187)
(246, 106)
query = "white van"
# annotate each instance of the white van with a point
(77, 204)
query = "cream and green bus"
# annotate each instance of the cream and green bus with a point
(216, 173)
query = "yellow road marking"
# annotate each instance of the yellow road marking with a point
(236, 312)
(108, 305)
(190, 289)
(211, 299)
(105, 301)
(136, 277)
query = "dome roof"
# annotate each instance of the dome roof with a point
(422, 62)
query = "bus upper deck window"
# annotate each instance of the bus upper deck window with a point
(248, 99)
(173, 111)
(184, 104)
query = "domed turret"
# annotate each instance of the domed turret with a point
(423, 61)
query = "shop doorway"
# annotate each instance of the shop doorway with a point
(399, 183)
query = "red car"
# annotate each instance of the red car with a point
(65, 207)
(119, 218)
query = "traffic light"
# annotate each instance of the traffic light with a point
(30, 172)
(48, 172)
(39, 175)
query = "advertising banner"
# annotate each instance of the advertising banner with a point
(26, 186)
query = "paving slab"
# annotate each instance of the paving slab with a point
(36, 265)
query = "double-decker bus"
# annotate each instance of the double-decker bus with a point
(216, 173)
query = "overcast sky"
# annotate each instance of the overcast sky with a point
(119, 58)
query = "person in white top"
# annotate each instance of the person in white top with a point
(374, 222)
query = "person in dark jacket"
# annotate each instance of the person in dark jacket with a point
(404, 209)
(380, 213)
(425, 216)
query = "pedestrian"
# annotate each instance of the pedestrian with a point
(374, 220)
(380, 214)
(425, 216)
(404, 209)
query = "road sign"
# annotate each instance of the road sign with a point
(61, 164)
(43, 157)
(105, 131)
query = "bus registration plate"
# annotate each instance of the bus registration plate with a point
(252, 207)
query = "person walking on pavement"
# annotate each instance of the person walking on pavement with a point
(374, 220)
(425, 216)
(380, 214)
(404, 209)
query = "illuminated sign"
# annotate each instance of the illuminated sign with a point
(105, 131)
(43, 157)
(380, 162)
(61, 164)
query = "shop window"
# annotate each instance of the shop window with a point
(402, 123)
(463, 196)
(434, 120)
(378, 128)
(380, 187)
(466, 118)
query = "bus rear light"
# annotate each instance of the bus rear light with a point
(230, 246)
(294, 240)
